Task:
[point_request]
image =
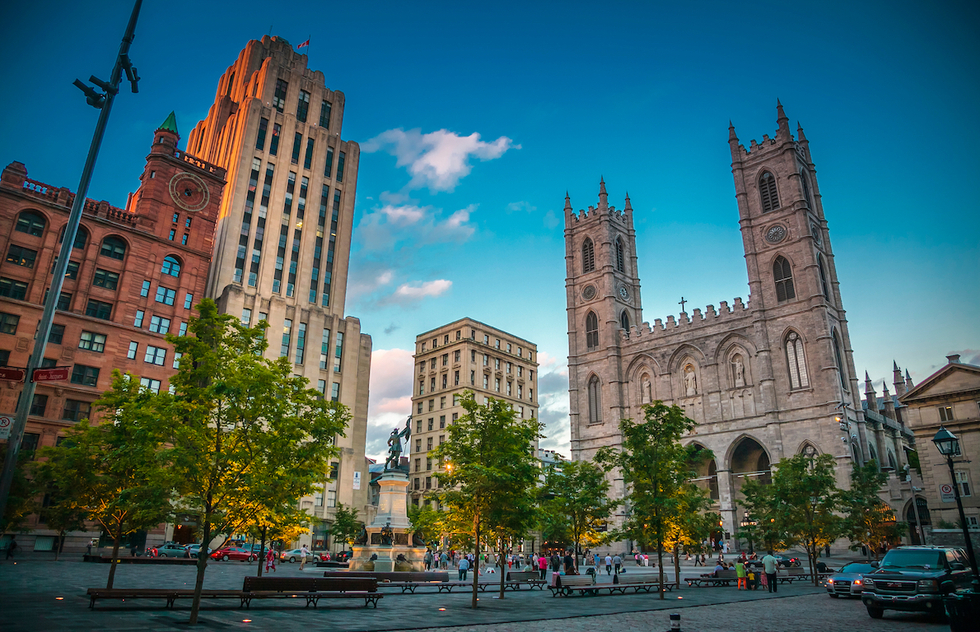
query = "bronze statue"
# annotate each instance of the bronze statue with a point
(387, 535)
(362, 537)
(395, 444)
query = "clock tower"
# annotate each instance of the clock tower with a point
(603, 297)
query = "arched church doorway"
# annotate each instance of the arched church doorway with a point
(924, 519)
(706, 472)
(750, 460)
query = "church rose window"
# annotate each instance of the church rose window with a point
(782, 274)
(588, 256)
(798, 377)
(591, 331)
(768, 192)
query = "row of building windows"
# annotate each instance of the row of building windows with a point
(486, 340)
(302, 104)
(588, 255)
(33, 223)
(457, 356)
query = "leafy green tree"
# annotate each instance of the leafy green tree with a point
(656, 469)
(21, 499)
(237, 421)
(118, 471)
(491, 473)
(576, 501)
(346, 526)
(802, 502)
(868, 520)
(63, 509)
(283, 521)
(761, 505)
(692, 526)
(426, 523)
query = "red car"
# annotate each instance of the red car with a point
(233, 553)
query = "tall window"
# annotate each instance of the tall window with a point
(839, 359)
(113, 247)
(620, 255)
(274, 143)
(624, 321)
(260, 137)
(588, 256)
(341, 157)
(782, 275)
(595, 403)
(297, 146)
(279, 99)
(81, 237)
(303, 106)
(796, 360)
(806, 189)
(324, 115)
(823, 278)
(31, 223)
(287, 332)
(768, 192)
(591, 331)
(171, 266)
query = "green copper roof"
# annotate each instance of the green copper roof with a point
(170, 125)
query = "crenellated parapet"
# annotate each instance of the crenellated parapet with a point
(697, 319)
(593, 212)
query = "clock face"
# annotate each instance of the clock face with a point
(775, 234)
(624, 293)
(189, 192)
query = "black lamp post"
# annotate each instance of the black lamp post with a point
(949, 446)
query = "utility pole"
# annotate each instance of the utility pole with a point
(101, 101)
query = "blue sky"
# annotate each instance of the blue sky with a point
(475, 120)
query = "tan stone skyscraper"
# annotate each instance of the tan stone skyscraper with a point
(282, 247)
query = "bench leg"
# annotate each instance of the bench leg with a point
(91, 604)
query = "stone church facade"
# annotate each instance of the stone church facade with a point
(764, 379)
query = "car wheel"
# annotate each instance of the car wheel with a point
(224, 558)
(833, 595)
(875, 613)
(291, 559)
(163, 555)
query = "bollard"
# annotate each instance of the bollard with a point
(675, 623)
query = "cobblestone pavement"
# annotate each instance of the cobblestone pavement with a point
(30, 591)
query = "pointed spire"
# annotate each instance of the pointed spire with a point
(884, 387)
(867, 379)
(568, 202)
(629, 207)
(894, 365)
(800, 136)
(782, 122)
(170, 125)
(731, 132)
(908, 381)
(603, 197)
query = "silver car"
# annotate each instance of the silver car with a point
(847, 581)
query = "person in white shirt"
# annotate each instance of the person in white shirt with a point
(609, 565)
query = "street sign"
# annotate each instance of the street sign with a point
(6, 423)
(946, 492)
(12, 374)
(54, 374)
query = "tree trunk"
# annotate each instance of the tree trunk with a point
(502, 563)
(811, 552)
(476, 560)
(262, 551)
(660, 563)
(115, 554)
(677, 566)
(202, 564)
(61, 544)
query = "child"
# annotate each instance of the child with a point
(270, 560)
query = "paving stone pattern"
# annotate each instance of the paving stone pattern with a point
(29, 592)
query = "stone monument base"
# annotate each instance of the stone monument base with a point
(387, 560)
(392, 513)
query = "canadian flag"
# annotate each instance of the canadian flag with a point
(306, 43)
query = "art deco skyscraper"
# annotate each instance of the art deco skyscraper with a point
(283, 238)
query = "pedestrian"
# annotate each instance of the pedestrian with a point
(618, 563)
(769, 567)
(697, 560)
(270, 560)
(724, 546)
(569, 563)
(646, 560)
(542, 565)
(609, 561)
(303, 552)
(427, 558)
(10, 549)
(598, 561)
(464, 565)
(741, 575)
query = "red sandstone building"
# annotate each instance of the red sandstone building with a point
(133, 277)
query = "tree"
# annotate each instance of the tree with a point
(237, 422)
(868, 520)
(346, 526)
(576, 501)
(62, 508)
(426, 522)
(118, 471)
(491, 472)
(800, 504)
(761, 506)
(20, 501)
(692, 526)
(656, 468)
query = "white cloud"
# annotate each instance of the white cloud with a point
(391, 396)
(437, 160)
(385, 228)
(409, 293)
(514, 207)
(368, 280)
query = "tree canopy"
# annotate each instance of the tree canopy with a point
(575, 503)
(868, 520)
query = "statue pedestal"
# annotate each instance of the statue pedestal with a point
(393, 511)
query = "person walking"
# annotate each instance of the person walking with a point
(270, 560)
(741, 575)
(569, 563)
(769, 567)
(464, 565)
(609, 561)
(427, 558)
(618, 563)
(598, 561)
(303, 552)
(542, 565)
(444, 560)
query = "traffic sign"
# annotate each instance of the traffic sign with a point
(6, 423)
(54, 374)
(946, 492)
(12, 374)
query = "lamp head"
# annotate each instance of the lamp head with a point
(946, 442)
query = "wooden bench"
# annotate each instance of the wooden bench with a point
(169, 595)
(636, 581)
(724, 578)
(514, 579)
(311, 588)
(407, 581)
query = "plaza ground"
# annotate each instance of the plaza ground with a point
(31, 589)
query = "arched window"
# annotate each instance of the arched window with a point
(839, 359)
(171, 266)
(31, 223)
(624, 321)
(891, 461)
(823, 278)
(768, 192)
(591, 331)
(588, 256)
(81, 237)
(620, 255)
(806, 189)
(782, 275)
(595, 401)
(874, 455)
(113, 247)
(796, 360)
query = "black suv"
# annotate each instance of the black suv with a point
(915, 578)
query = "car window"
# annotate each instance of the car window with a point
(857, 568)
(914, 558)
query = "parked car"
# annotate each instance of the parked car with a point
(343, 556)
(191, 550)
(233, 553)
(294, 555)
(171, 549)
(783, 561)
(915, 578)
(849, 581)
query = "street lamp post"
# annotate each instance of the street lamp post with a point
(949, 446)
